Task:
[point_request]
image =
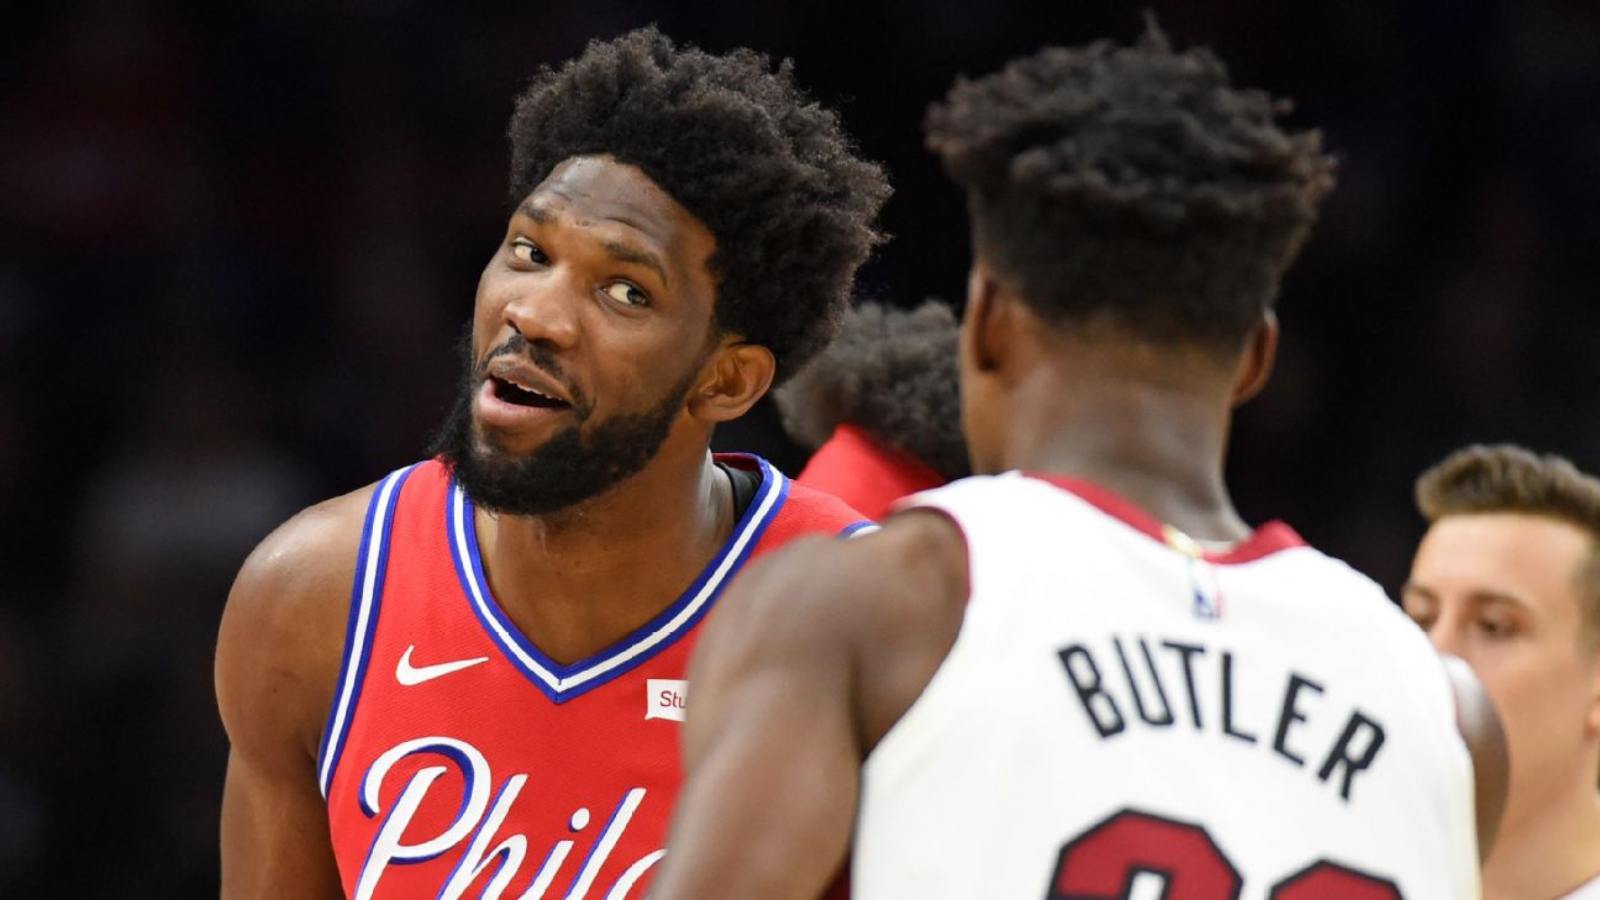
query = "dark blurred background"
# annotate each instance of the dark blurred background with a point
(240, 241)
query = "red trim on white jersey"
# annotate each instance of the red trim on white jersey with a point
(1264, 541)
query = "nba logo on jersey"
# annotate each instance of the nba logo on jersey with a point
(1202, 576)
(1207, 592)
(1108, 724)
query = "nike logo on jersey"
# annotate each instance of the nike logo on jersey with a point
(410, 676)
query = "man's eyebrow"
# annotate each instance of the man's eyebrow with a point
(1411, 587)
(537, 213)
(1485, 596)
(626, 253)
(623, 253)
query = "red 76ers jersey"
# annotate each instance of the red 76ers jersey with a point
(459, 760)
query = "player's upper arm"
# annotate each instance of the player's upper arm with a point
(278, 652)
(770, 749)
(796, 675)
(1485, 739)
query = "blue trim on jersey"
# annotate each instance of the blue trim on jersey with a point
(561, 683)
(472, 837)
(610, 820)
(454, 754)
(364, 604)
(855, 528)
(468, 779)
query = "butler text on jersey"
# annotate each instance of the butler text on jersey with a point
(1154, 703)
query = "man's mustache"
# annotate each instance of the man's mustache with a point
(540, 355)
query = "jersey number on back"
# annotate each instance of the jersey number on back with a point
(1158, 857)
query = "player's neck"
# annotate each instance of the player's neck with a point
(579, 580)
(1159, 445)
(1548, 851)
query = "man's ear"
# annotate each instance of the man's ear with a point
(1260, 354)
(736, 375)
(983, 328)
(1593, 720)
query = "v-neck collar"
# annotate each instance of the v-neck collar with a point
(563, 682)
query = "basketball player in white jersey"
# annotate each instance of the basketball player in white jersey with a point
(1508, 578)
(1087, 677)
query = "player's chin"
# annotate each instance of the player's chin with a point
(499, 447)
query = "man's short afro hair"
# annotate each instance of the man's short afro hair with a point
(1133, 187)
(893, 373)
(738, 144)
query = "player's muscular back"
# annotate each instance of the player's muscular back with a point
(278, 655)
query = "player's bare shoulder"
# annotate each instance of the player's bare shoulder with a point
(915, 578)
(893, 576)
(279, 645)
(893, 599)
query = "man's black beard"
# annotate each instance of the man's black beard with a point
(569, 468)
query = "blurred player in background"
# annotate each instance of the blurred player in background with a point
(881, 407)
(1088, 677)
(492, 708)
(1508, 578)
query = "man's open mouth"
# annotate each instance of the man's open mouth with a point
(522, 395)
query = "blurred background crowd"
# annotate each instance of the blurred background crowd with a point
(238, 243)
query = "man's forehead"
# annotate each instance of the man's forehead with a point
(599, 187)
(1511, 530)
(1518, 553)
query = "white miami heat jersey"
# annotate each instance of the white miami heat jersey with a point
(1126, 715)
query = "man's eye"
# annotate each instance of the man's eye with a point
(626, 294)
(1495, 628)
(527, 251)
(1421, 613)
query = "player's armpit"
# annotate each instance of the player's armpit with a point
(807, 660)
(1480, 728)
(277, 659)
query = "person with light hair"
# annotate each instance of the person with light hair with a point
(1508, 578)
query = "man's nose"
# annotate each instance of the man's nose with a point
(544, 309)
(1445, 633)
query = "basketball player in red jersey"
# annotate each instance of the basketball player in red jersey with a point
(467, 679)
(1087, 677)
(880, 408)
